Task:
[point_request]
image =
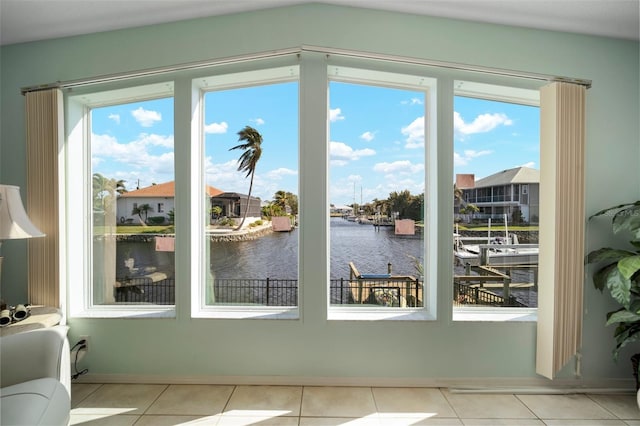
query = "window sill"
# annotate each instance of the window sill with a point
(378, 314)
(125, 312)
(245, 312)
(495, 315)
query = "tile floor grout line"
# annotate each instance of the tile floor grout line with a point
(87, 395)
(301, 400)
(604, 408)
(453, 407)
(166, 386)
(375, 403)
(226, 404)
(528, 408)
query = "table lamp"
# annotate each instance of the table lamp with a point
(14, 222)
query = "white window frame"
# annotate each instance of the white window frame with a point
(76, 197)
(367, 74)
(199, 263)
(508, 94)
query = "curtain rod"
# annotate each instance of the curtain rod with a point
(305, 48)
(448, 65)
(160, 70)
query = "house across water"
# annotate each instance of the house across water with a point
(160, 199)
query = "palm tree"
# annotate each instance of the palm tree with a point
(142, 208)
(280, 198)
(252, 150)
(104, 193)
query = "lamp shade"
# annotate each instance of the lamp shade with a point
(14, 222)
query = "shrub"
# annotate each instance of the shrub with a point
(156, 220)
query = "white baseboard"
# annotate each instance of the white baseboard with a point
(466, 385)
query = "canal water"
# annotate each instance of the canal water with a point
(275, 255)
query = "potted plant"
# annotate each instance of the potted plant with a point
(619, 271)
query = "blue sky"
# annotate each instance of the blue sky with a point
(376, 140)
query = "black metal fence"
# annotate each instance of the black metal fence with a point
(145, 291)
(464, 294)
(274, 292)
(267, 292)
(277, 292)
(383, 292)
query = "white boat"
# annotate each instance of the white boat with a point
(495, 251)
(496, 254)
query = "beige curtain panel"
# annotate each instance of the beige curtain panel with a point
(44, 121)
(562, 224)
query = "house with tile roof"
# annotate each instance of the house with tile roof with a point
(159, 197)
(502, 193)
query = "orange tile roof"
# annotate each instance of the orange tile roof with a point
(167, 189)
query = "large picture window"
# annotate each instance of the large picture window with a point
(242, 214)
(249, 140)
(496, 197)
(125, 139)
(379, 128)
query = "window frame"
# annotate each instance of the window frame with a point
(506, 93)
(77, 199)
(260, 74)
(379, 74)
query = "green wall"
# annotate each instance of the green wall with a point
(313, 347)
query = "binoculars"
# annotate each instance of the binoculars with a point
(13, 314)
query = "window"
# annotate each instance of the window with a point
(249, 141)
(128, 161)
(496, 163)
(379, 132)
(387, 183)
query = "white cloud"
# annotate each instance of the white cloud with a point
(344, 151)
(481, 124)
(226, 177)
(367, 136)
(399, 167)
(338, 163)
(216, 128)
(115, 117)
(413, 101)
(137, 154)
(467, 156)
(414, 133)
(156, 140)
(280, 173)
(146, 118)
(258, 121)
(335, 115)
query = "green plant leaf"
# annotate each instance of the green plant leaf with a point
(619, 286)
(635, 243)
(600, 276)
(625, 333)
(622, 315)
(618, 207)
(629, 266)
(608, 254)
(627, 220)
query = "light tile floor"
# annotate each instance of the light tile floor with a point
(227, 405)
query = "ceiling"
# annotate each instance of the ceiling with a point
(31, 20)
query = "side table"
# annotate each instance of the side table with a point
(41, 317)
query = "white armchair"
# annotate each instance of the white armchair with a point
(35, 378)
